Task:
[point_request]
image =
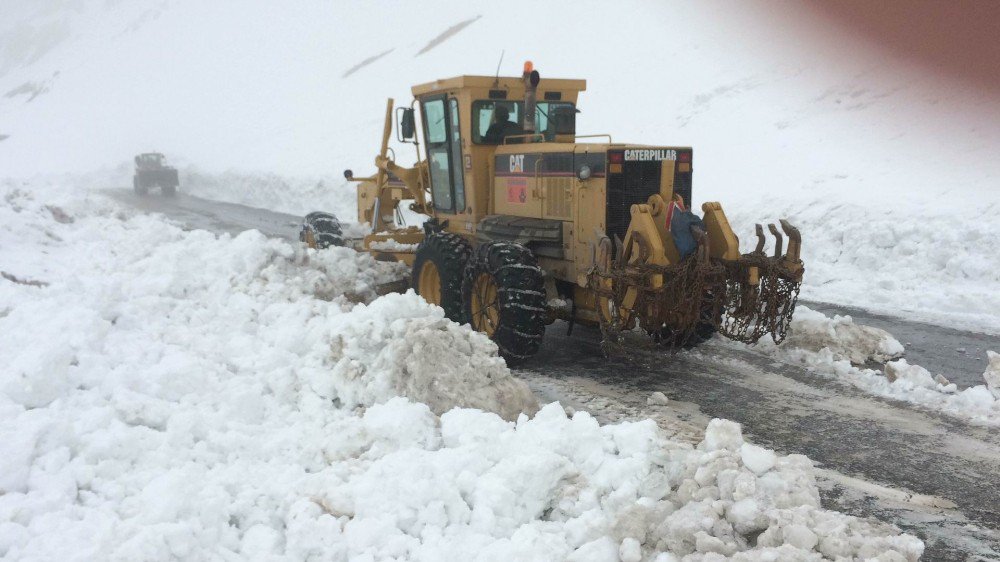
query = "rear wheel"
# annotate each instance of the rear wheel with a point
(321, 230)
(437, 272)
(504, 296)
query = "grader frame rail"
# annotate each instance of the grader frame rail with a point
(527, 225)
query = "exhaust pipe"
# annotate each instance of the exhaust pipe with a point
(531, 79)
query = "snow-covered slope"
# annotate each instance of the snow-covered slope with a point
(889, 170)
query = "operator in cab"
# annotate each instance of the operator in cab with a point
(502, 126)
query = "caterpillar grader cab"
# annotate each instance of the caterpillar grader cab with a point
(529, 222)
(151, 173)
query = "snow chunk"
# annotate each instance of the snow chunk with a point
(401, 346)
(992, 374)
(657, 399)
(813, 331)
(630, 550)
(901, 373)
(722, 434)
(756, 458)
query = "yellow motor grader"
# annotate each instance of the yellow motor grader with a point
(527, 224)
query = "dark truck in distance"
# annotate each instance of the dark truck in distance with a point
(150, 172)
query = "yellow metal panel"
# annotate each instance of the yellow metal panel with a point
(558, 193)
(722, 241)
(569, 246)
(667, 180)
(502, 83)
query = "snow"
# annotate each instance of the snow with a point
(171, 394)
(657, 399)
(394, 347)
(992, 374)
(391, 245)
(844, 338)
(757, 459)
(906, 257)
(834, 347)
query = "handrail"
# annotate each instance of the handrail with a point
(528, 135)
(595, 136)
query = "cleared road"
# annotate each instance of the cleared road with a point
(929, 474)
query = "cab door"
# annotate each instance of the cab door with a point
(444, 153)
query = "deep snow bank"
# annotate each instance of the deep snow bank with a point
(835, 347)
(169, 394)
(913, 258)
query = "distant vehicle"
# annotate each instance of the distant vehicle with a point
(150, 172)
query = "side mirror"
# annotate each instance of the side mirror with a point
(405, 124)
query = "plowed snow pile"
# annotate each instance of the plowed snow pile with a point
(177, 395)
(835, 347)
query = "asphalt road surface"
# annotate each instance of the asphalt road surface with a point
(929, 474)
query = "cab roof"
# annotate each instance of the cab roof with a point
(495, 83)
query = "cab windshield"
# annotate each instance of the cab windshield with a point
(494, 120)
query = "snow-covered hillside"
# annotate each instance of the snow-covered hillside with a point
(886, 168)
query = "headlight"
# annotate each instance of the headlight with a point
(584, 172)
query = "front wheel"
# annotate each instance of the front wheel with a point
(168, 190)
(437, 272)
(321, 230)
(138, 187)
(504, 297)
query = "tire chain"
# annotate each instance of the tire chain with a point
(753, 311)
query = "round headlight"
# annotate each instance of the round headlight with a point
(584, 172)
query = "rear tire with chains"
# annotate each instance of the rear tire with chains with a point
(515, 316)
(439, 266)
(325, 230)
(710, 318)
(707, 326)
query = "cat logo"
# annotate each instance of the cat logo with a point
(517, 163)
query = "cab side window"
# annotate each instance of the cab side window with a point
(438, 155)
(444, 153)
(489, 118)
(458, 174)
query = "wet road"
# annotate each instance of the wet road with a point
(929, 474)
(215, 216)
